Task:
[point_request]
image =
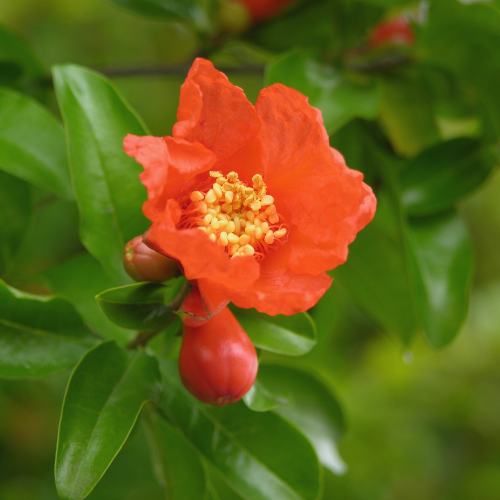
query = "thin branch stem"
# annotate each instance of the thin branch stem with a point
(142, 338)
(178, 71)
(181, 70)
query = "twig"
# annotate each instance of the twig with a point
(379, 64)
(181, 70)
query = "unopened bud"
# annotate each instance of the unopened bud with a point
(393, 32)
(144, 264)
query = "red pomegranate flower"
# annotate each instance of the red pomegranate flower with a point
(250, 200)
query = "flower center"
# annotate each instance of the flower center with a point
(241, 219)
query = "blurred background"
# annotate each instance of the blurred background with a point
(422, 423)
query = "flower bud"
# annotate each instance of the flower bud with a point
(144, 264)
(397, 31)
(218, 363)
(261, 10)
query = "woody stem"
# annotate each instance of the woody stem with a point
(144, 337)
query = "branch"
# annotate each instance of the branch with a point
(180, 70)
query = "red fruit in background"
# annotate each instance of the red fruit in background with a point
(218, 363)
(144, 264)
(263, 9)
(396, 31)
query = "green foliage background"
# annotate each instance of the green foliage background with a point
(415, 422)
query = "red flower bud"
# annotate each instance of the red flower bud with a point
(396, 31)
(264, 9)
(218, 363)
(144, 264)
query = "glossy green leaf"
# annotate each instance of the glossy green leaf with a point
(437, 178)
(32, 144)
(444, 257)
(108, 192)
(218, 486)
(212, 492)
(142, 306)
(16, 207)
(261, 398)
(411, 275)
(462, 38)
(292, 335)
(339, 99)
(407, 115)
(79, 280)
(255, 452)
(131, 473)
(104, 397)
(313, 409)
(378, 274)
(168, 10)
(177, 465)
(43, 246)
(39, 336)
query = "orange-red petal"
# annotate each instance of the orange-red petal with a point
(214, 112)
(169, 167)
(278, 290)
(309, 257)
(324, 202)
(199, 256)
(275, 292)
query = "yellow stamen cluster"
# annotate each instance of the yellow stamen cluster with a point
(239, 218)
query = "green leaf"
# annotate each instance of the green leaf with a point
(142, 306)
(131, 472)
(256, 452)
(379, 273)
(32, 144)
(16, 204)
(463, 38)
(170, 10)
(261, 398)
(108, 192)
(178, 466)
(407, 115)
(314, 410)
(410, 281)
(212, 492)
(104, 397)
(39, 336)
(291, 335)
(43, 246)
(444, 257)
(339, 99)
(436, 179)
(79, 280)
(218, 486)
